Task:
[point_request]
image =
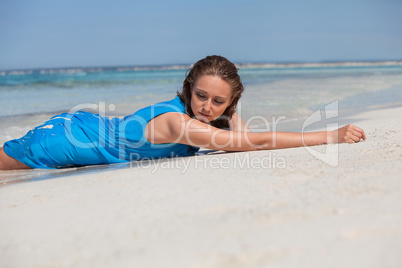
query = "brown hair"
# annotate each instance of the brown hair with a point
(214, 66)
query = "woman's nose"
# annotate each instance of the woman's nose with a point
(207, 105)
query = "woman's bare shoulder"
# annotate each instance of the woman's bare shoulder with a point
(165, 127)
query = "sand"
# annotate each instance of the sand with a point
(280, 208)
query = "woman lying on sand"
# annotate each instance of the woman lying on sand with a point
(202, 115)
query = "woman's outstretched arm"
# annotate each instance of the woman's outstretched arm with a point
(179, 128)
(349, 134)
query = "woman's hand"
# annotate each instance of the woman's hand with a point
(349, 134)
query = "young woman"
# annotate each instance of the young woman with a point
(202, 115)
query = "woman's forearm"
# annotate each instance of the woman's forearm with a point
(249, 141)
(279, 140)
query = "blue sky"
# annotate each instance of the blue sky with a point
(65, 33)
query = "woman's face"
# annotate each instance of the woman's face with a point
(210, 96)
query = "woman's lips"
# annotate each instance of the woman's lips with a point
(205, 115)
(204, 118)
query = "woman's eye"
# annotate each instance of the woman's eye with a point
(200, 95)
(218, 101)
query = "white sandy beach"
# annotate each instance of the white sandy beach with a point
(281, 208)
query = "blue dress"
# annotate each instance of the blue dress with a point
(82, 138)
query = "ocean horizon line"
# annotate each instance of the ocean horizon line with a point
(240, 65)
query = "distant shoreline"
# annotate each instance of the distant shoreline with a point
(240, 65)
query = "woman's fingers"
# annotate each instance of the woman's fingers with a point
(356, 136)
(360, 133)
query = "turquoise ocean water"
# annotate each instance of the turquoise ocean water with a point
(30, 97)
